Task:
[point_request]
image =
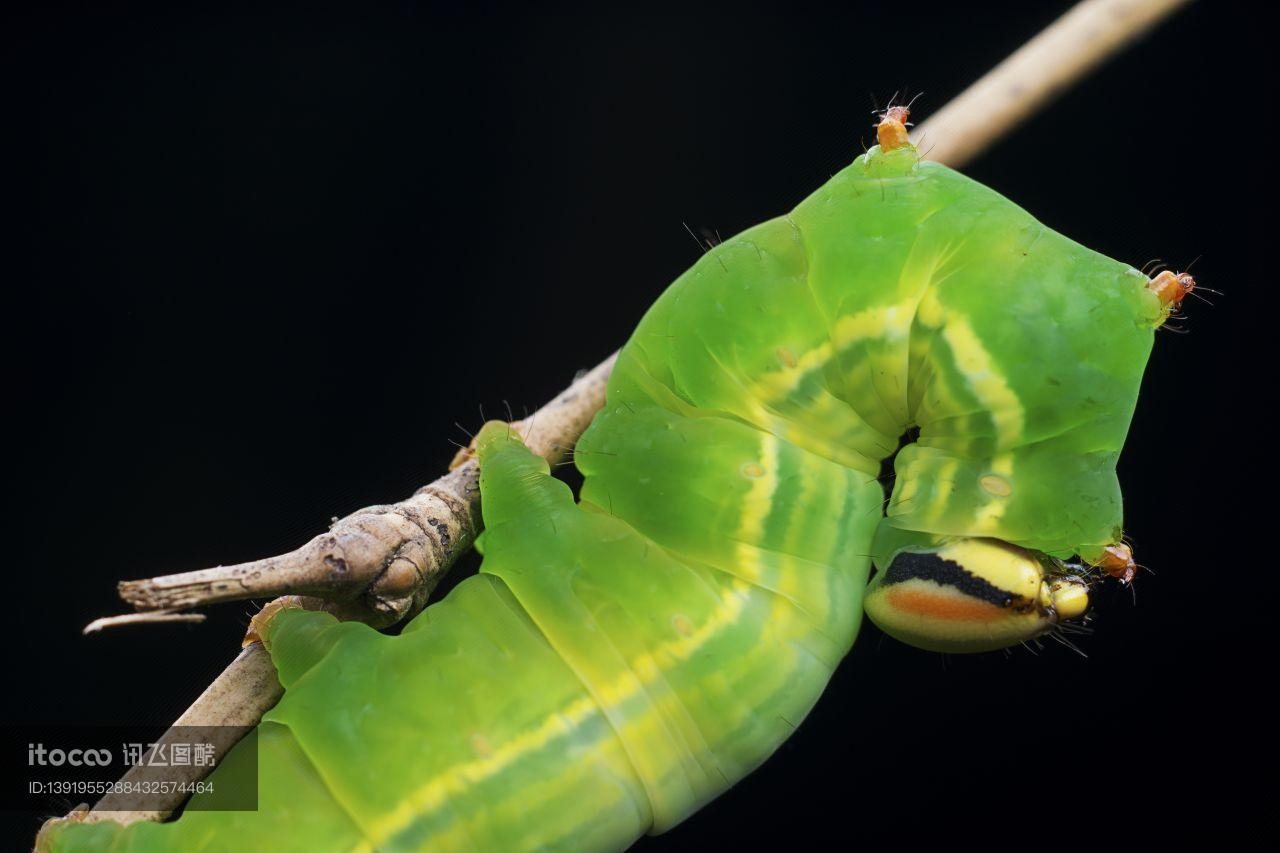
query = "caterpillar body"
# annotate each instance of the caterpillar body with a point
(620, 661)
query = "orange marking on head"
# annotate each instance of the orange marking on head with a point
(940, 605)
(1172, 287)
(1117, 561)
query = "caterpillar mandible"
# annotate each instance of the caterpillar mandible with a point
(622, 660)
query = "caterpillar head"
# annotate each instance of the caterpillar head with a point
(973, 595)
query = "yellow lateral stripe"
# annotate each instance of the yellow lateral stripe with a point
(997, 487)
(937, 508)
(683, 648)
(430, 796)
(889, 323)
(758, 501)
(979, 370)
(779, 384)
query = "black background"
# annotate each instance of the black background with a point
(259, 263)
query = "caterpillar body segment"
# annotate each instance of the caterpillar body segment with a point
(619, 662)
(587, 687)
(902, 294)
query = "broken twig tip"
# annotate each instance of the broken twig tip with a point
(140, 619)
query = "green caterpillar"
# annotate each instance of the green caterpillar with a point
(621, 661)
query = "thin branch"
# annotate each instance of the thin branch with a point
(1076, 43)
(1086, 36)
(379, 564)
(245, 690)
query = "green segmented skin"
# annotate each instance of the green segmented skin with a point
(619, 662)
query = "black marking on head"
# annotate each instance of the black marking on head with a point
(930, 567)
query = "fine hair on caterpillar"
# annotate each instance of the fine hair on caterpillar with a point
(897, 109)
